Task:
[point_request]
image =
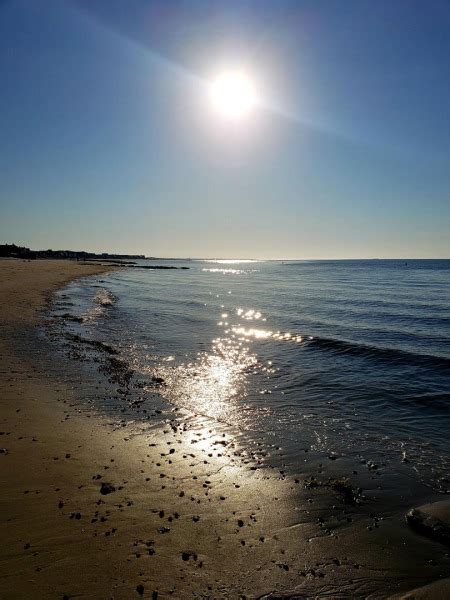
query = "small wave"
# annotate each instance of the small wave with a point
(104, 298)
(72, 318)
(438, 402)
(375, 352)
(345, 347)
(102, 301)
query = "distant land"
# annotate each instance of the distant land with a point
(14, 251)
(120, 260)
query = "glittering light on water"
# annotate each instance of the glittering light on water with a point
(249, 315)
(215, 382)
(229, 271)
(210, 384)
(265, 334)
(256, 333)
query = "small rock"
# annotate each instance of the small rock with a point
(164, 530)
(107, 488)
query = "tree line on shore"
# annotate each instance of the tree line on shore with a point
(14, 251)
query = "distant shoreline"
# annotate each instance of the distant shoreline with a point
(15, 251)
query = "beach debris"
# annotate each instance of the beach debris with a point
(140, 589)
(164, 529)
(119, 372)
(96, 344)
(371, 465)
(107, 488)
(343, 487)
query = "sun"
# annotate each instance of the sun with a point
(232, 94)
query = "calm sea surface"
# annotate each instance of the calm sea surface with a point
(351, 358)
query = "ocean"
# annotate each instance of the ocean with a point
(347, 360)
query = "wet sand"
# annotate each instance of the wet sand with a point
(95, 508)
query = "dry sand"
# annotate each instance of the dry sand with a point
(185, 517)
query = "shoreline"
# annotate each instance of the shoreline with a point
(194, 522)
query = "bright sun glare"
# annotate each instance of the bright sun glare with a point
(233, 94)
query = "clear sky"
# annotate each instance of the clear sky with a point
(109, 142)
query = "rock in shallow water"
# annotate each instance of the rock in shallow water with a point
(432, 520)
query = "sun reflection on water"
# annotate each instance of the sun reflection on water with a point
(231, 271)
(215, 382)
(211, 384)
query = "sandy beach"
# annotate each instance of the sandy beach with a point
(94, 508)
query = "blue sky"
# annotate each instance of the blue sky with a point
(108, 142)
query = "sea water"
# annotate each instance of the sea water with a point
(345, 358)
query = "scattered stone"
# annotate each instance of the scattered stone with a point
(164, 530)
(107, 488)
(187, 555)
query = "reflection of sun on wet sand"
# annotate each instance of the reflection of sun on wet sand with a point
(177, 510)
